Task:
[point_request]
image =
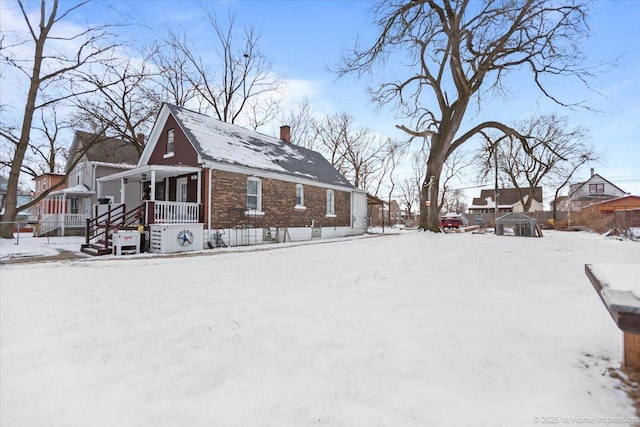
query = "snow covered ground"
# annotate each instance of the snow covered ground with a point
(25, 245)
(411, 329)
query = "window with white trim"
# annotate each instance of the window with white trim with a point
(254, 194)
(596, 188)
(330, 203)
(170, 139)
(299, 196)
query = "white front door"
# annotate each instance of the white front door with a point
(181, 189)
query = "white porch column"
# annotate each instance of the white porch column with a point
(123, 189)
(152, 196)
(99, 189)
(64, 211)
(199, 198)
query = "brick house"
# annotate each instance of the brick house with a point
(43, 183)
(235, 186)
(385, 214)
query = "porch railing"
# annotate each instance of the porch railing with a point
(50, 222)
(173, 212)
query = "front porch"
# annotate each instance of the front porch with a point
(64, 212)
(171, 195)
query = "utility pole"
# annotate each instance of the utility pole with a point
(495, 188)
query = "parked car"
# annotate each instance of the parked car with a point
(452, 221)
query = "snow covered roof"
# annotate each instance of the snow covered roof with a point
(221, 142)
(79, 189)
(116, 165)
(507, 197)
(103, 149)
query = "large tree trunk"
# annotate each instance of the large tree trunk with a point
(11, 208)
(11, 202)
(429, 215)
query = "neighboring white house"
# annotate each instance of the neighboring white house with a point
(594, 190)
(66, 210)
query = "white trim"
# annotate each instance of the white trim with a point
(301, 208)
(154, 136)
(300, 205)
(277, 175)
(331, 216)
(253, 212)
(163, 170)
(168, 155)
(258, 196)
(156, 131)
(244, 170)
(331, 212)
(170, 144)
(179, 181)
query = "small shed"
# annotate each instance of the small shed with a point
(521, 224)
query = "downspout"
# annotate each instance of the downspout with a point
(93, 178)
(351, 210)
(64, 211)
(209, 201)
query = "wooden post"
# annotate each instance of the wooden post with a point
(631, 351)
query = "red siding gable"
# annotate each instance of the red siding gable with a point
(183, 152)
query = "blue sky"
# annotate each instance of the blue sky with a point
(304, 38)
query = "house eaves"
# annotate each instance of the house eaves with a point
(219, 143)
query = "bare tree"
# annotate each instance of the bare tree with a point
(52, 79)
(303, 122)
(48, 155)
(456, 51)
(242, 85)
(453, 166)
(410, 187)
(72, 160)
(354, 150)
(551, 151)
(173, 66)
(393, 154)
(125, 102)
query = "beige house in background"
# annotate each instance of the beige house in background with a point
(508, 201)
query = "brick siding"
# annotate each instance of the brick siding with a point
(229, 201)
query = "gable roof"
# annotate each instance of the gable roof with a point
(582, 184)
(506, 196)
(218, 142)
(103, 149)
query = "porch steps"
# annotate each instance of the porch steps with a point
(99, 230)
(95, 249)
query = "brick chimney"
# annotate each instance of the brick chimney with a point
(593, 172)
(285, 133)
(140, 138)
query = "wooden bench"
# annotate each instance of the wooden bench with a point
(618, 286)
